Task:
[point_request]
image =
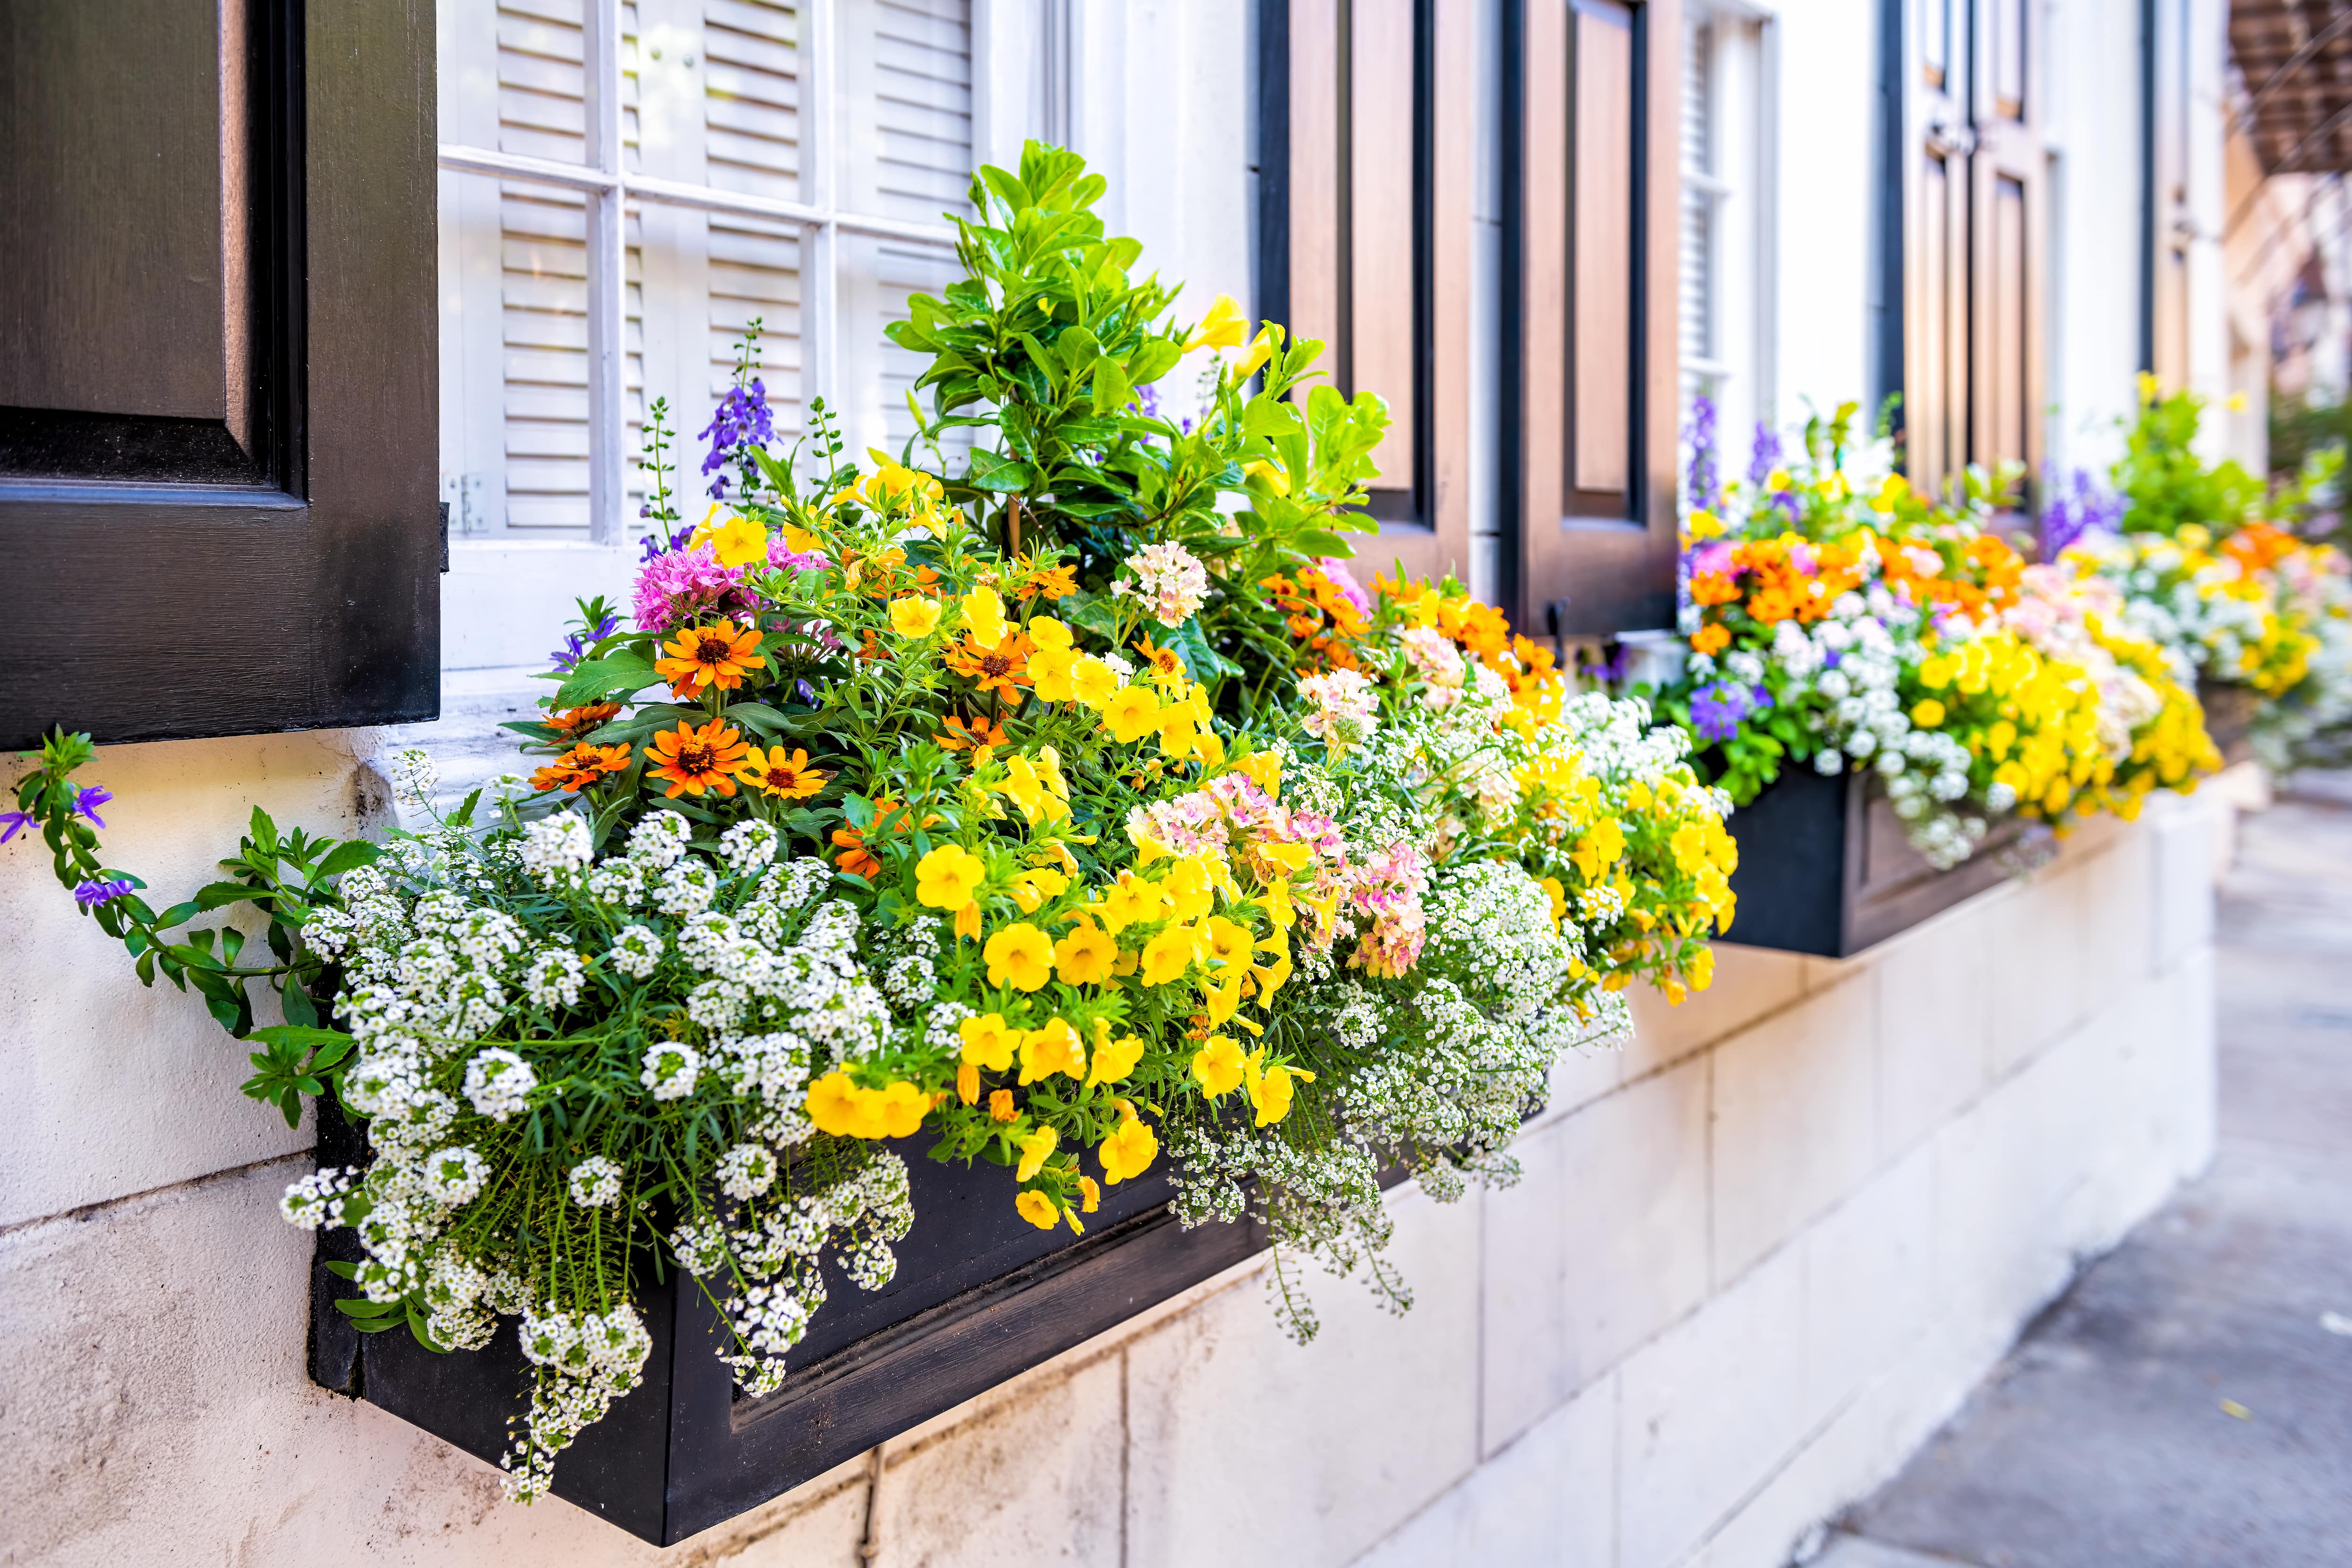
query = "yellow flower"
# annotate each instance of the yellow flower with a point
(989, 1041)
(967, 1083)
(1092, 682)
(1048, 633)
(1084, 957)
(1132, 714)
(948, 877)
(902, 1109)
(1266, 769)
(832, 1104)
(734, 539)
(1049, 673)
(1926, 712)
(1035, 1150)
(1020, 957)
(1261, 349)
(1129, 1151)
(1052, 1049)
(1225, 942)
(1704, 525)
(1037, 1209)
(1190, 887)
(1032, 889)
(1219, 1066)
(1222, 328)
(914, 615)
(1090, 1195)
(1270, 1087)
(967, 921)
(1114, 1060)
(1128, 901)
(1271, 476)
(1000, 1106)
(983, 616)
(1701, 968)
(1558, 897)
(1167, 956)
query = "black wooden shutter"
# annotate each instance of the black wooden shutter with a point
(217, 392)
(1364, 207)
(1975, 221)
(1590, 191)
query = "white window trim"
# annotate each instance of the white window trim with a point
(1746, 350)
(609, 189)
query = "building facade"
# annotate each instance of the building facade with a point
(1757, 1253)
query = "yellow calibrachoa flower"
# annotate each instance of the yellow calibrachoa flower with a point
(1129, 1151)
(1223, 942)
(1084, 955)
(1114, 1059)
(1167, 956)
(1035, 1150)
(1270, 1087)
(948, 877)
(1092, 682)
(1926, 712)
(1019, 955)
(1037, 1209)
(914, 615)
(1033, 888)
(989, 1041)
(983, 615)
(1051, 1050)
(1132, 714)
(734, 539)
(1128, 901)
(1218, 1068)
(848, 1109)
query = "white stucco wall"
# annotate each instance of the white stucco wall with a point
(1757, 1254)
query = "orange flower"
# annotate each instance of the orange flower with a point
(706, 656)
(1711, 638)
(977, 733)
(695, 759)
(1712, 588)
(1052, 582)
(1165, 665)
(574, 721)
(581, 766)
(854, 857)
(1002, 668)
(778, 774)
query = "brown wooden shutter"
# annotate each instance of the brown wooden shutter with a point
(218, 393)
(1975, 260)
(1590, 193)
(1365, 230)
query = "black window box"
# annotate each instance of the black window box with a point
(1825, 867)
(978, 1296)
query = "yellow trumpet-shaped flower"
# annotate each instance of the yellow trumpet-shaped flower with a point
(989, 1041)
(914, 615)
(948, 877)
(1037, 1209)
(1129, 1151)
(1084, 956)
(1219, 1066)
(1114, 1059)
(1035, 1150)
(1051, 1050)
(1222, 328)
(1019, 955)
(1271, 1087)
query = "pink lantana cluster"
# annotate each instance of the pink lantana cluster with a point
(1340, 707)
(1171, 581)
(1389, 892)
(679, 587)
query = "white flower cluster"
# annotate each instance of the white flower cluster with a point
(584, 1362)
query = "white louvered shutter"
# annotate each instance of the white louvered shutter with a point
(1701, 191)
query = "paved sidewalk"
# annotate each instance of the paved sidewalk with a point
(2188, 1403)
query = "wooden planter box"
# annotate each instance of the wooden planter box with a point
(980, 1295)
(1825, 868)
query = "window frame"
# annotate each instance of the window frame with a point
(609, 187)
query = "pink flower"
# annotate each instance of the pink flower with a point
(685, 585)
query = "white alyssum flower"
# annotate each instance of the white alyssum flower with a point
(660, 838)
(748, 846)
(414, 777)
(686, 888)
(555, 978)
(317, 1199)
(635, 950)
(498, 1082)
(670, 1071)
(595, 1182)
(746, 1170)
(556, 849)
(455, 1175)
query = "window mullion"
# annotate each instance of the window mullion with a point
(820, 186)
(607, 266)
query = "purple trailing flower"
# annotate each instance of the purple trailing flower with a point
(90, 895)
(660, 544)
(1701, 486)
(1717, 711)
(88, 798)
(576, 646)
(16, 822)
(1765, 457)
(744, 419)
(2068, 517)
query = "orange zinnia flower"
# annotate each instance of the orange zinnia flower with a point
(977, 733)
(581, 766)
(1053, 582)
(1162, 661)
(1711, 638)
(788, 776)
(705, 657)
(1002, 670)
(574, 720)
(855, 857)
(695, 759)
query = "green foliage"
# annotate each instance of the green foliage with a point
(2167, 486)
(281, 876)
